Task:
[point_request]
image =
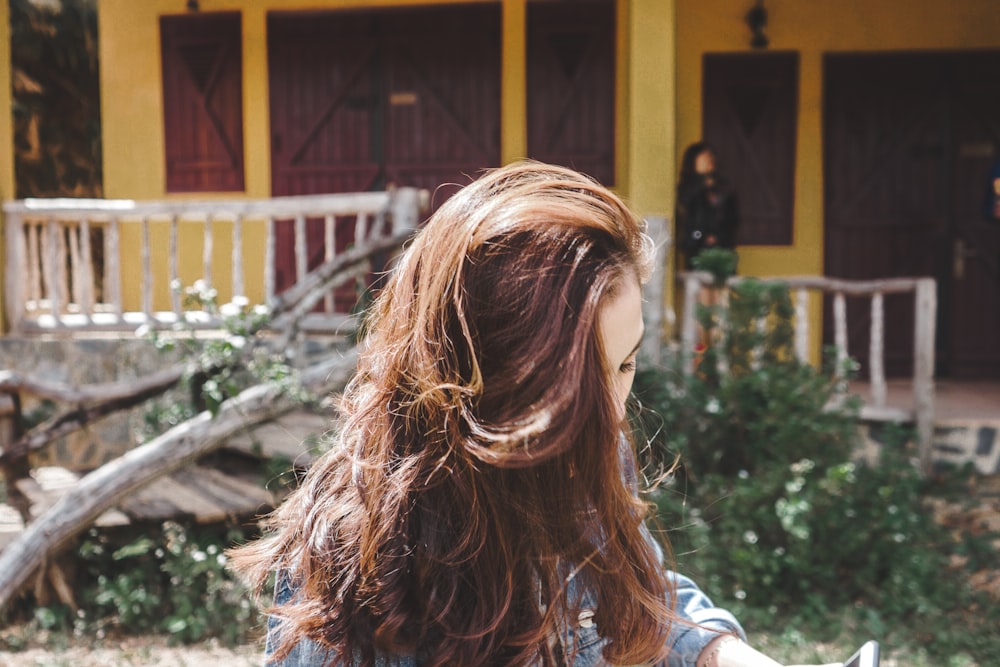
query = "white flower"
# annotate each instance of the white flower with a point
(142, 331)
(230, 310)
(750, 537)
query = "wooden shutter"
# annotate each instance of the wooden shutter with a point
(203, 101)
(749, 115)
(571, 85)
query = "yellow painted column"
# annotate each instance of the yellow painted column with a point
(514, 82)
(256, 104)
(7, 183)
(647, 125)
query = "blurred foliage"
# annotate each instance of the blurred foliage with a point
(56, 97)
(720, 262)
(773, 513)
(172, 580)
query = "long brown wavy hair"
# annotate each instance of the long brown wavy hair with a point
(478, 457)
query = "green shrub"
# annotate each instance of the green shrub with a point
(172, 582)
(770, 510)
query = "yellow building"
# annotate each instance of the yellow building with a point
(859, 136)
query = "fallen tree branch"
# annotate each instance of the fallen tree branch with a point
(92, 403)
(106, 486)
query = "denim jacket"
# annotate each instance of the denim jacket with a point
(686, 641)
(582, 641)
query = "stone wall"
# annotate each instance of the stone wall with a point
(78, 362)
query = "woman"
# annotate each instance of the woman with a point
(707, 209)
(479, 507)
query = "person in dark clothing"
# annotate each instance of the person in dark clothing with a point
(707, 209)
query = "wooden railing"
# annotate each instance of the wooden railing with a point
(924, 292)
(63, 266)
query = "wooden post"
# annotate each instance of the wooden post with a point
(74, 261)
(88, 289)
(206, 255)
(15, 273)
(653, 306)
(689, 326)
(51, 270)
(175, 277)
(112, 269)
(147, 271)
(840, 331)
(876, 368)
(923, 366)
(802, 325)
(269, 260)
(238, 287)
(405, 205)
(35, 263)
(329, 250)
(301, 248)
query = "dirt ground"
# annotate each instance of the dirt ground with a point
(135, 652)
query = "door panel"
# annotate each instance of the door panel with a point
(899, 195)
(975, 311)
(571, 85)
(364, 99)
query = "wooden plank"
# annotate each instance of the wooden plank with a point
(48, 483)
(288, 438)
(166, 498)
(885, 413)
(231, 496)
(11, 525)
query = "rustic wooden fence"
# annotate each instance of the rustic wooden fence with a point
(57, 279)
(924, 291)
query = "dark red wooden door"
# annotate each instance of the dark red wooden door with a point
(364, 99)
(908, 141)
(571, 85)
(202, 101)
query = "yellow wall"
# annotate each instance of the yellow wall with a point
(132, 116)
(813, 28)
(6, 125)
